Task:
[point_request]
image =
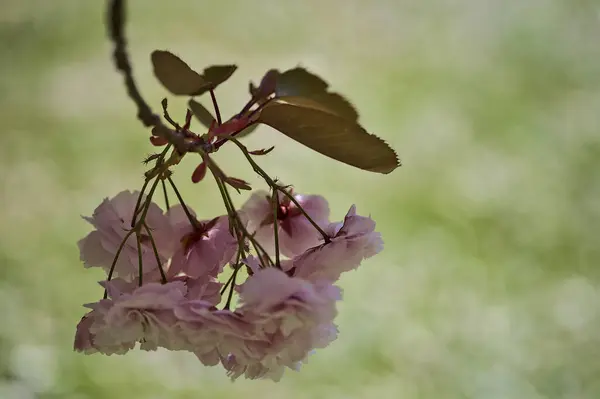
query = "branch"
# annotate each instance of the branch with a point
(116, 26)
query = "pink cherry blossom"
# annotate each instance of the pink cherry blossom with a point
(352, 240)
(145, 315)
(205, 288)
(295, 232)
(202, 251)
(290, 316)
(251, 371)
(210, 332)
(112, 221)
(84, 338)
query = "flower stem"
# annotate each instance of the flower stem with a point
(140, 261)
(257, 247)
(276, 187)
(236, 265)
(135, 229)
(114, 262)
(157, 168)
(139, 200)
(192, 219)
(237, 223)
(315, 225)
(164, 187)
(275, 200)
(138, 225)
(230, 295)
(160, 268)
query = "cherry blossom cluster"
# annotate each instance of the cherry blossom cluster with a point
(253, 290)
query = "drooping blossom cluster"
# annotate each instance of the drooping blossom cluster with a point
(171, 284)
(254, 289)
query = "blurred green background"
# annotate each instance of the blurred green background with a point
(489, 283)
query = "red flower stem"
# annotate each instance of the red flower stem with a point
(216, 106)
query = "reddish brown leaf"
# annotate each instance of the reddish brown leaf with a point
(267, 86)
(300, 82)
(230, 127)
(247, 131)
(177, 77)
(319, 128)
(203, 115)
(217, 74)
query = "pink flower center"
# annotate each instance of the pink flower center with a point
(197, 234)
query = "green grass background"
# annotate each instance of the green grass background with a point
(489, 283)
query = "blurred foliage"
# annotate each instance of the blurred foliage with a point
(489, 284)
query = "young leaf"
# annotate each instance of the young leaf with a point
(201, 113)
(206, 118)
(217, 74)
(300, 82)
(229, 127)
(246, 131)
(175, 75)
(317, 127)
(267, 86)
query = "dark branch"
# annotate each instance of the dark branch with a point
(116, 26)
